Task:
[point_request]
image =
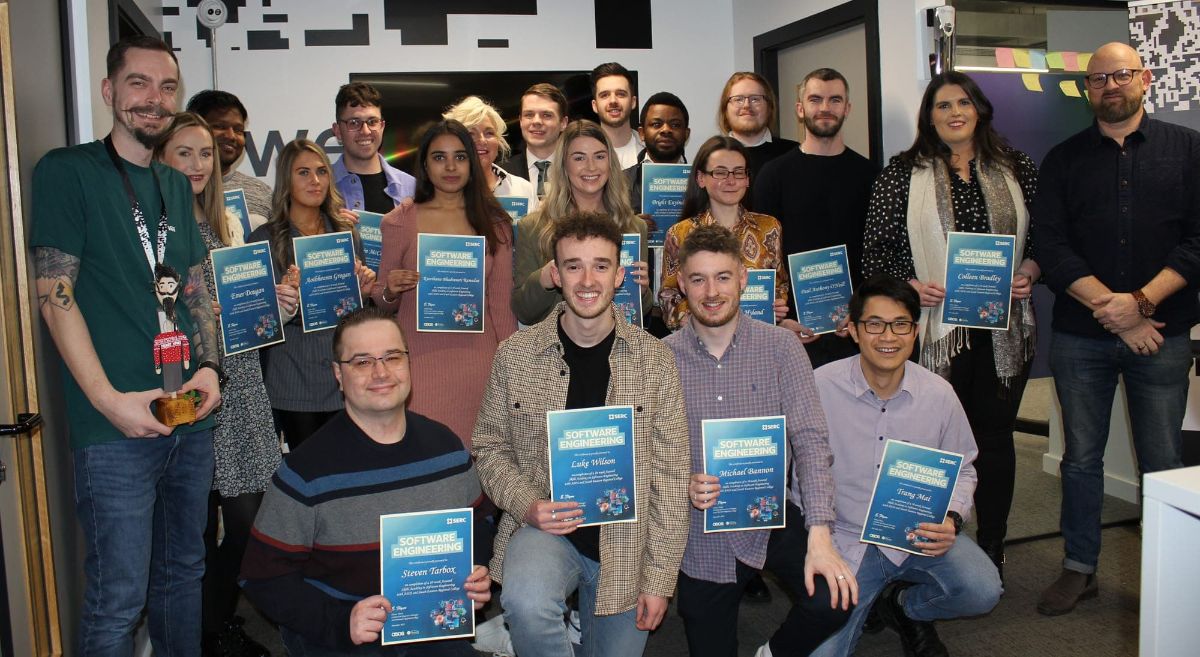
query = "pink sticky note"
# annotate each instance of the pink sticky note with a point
(1004, 58)
(1070, 61)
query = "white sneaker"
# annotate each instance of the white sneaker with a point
(492, 636)
(764, 650)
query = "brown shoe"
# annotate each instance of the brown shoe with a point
(1066, 591)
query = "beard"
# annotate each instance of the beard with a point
(711, 321)
(144, 136)
(657, 155)
(816, 129)
(1117, 112)
(603, 306)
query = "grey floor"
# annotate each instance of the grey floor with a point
(1103, 627)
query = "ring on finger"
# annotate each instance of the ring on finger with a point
(841, 577)
(554, 515)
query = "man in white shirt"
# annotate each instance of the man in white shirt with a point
(543, 118)
(613, 100)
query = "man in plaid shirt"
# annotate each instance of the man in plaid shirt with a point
(584, 354)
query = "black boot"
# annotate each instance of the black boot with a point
(756, 590)
(232, 641)
(995, 552)
(919, 638)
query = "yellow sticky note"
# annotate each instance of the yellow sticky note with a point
(1069, 88)
(1084, 58)
(1033, 81)
(1021, 57)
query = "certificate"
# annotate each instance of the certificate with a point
(979, 269)
(749, 455)
(821, 287)
(245, 281)
(235, 205)
(450, 293)
(663, 186)
(758, 299)
(424, 561)
(515, 206)
(328, 286)
(592, 462)
(913, 485)
(628, 297)
(371, 236)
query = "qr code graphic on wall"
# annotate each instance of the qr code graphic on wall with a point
(1167, 36)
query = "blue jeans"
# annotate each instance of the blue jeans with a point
(142, 505)
(1085, 378)
(540, 572)
(962, 582)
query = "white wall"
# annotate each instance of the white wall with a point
(754, 17)
(292, 90)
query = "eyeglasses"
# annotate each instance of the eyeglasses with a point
(755, 100)
(357, 124)
(1122, 77)
(877, 326)
(363, 364)
(722, 174)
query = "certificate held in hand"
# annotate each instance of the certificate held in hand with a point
(328, 285)
(914, 484)
(592, 462)
(749, 456)
(425, 559)
(245, 282)
(450, 293)
(979, 270)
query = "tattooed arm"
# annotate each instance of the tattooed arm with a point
(204, 340)
(129, 412)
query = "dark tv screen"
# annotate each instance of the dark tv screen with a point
(413, 101)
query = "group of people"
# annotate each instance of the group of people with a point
(380, 418)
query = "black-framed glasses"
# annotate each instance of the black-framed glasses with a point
(877, 326)
(363, 363)
(722, 173)
(1121, 76)
(753, 99)
(356, 124)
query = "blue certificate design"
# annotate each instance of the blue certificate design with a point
(979, 269)
(450, 293)
(749, 455)
(914, 485)
(245, 282)
(235, 205)
(371, 236)
(821, 287)
(758, 299)
(424, 561)
(592, 462)
(515, 206)
(628, 297)
(663, 186)
(328, 286)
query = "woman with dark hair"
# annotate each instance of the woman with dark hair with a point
(303, 394)
(720, 178)
(586, 176)
(960, 175)
(245, 445)
(452, 198)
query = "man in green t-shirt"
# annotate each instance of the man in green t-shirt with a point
(104, 216)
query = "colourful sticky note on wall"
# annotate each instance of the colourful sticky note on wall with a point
(1070, 61)
(1037, 59)
(1004, 58)
(1021, 57)
(1069, 88)
(1033, 81)
(1055, 60)
(1084, 58)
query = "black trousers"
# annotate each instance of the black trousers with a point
(223, 562)
(710, 609)
(992, 411)
(297, 426)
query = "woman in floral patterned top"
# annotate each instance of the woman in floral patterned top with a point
(714, 196)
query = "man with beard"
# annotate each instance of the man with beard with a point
(227, 117)
(363, 177)
(105, 216)
(766, 375)
(664, 129)
(819, 193)
(584, 354)
(746, 113)
(1116, 228)
(613, 101)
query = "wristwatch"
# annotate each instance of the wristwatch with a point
(1146, 307)
(221, 376)
(958, 521)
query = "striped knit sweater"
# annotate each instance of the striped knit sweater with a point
(314, 549)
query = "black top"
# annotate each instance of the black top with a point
(375, 198)
(820, 201)
(587, 388)
(759, 156)
(1121, 214)
(886, 246)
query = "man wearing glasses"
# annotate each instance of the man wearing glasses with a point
(819, 193)
(312, 564)
(746, 113)
(1117, 227)
(880, 395)
(363, 177)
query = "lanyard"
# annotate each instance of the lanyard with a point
(153, 256)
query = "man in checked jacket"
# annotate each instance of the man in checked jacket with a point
(584, 354)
